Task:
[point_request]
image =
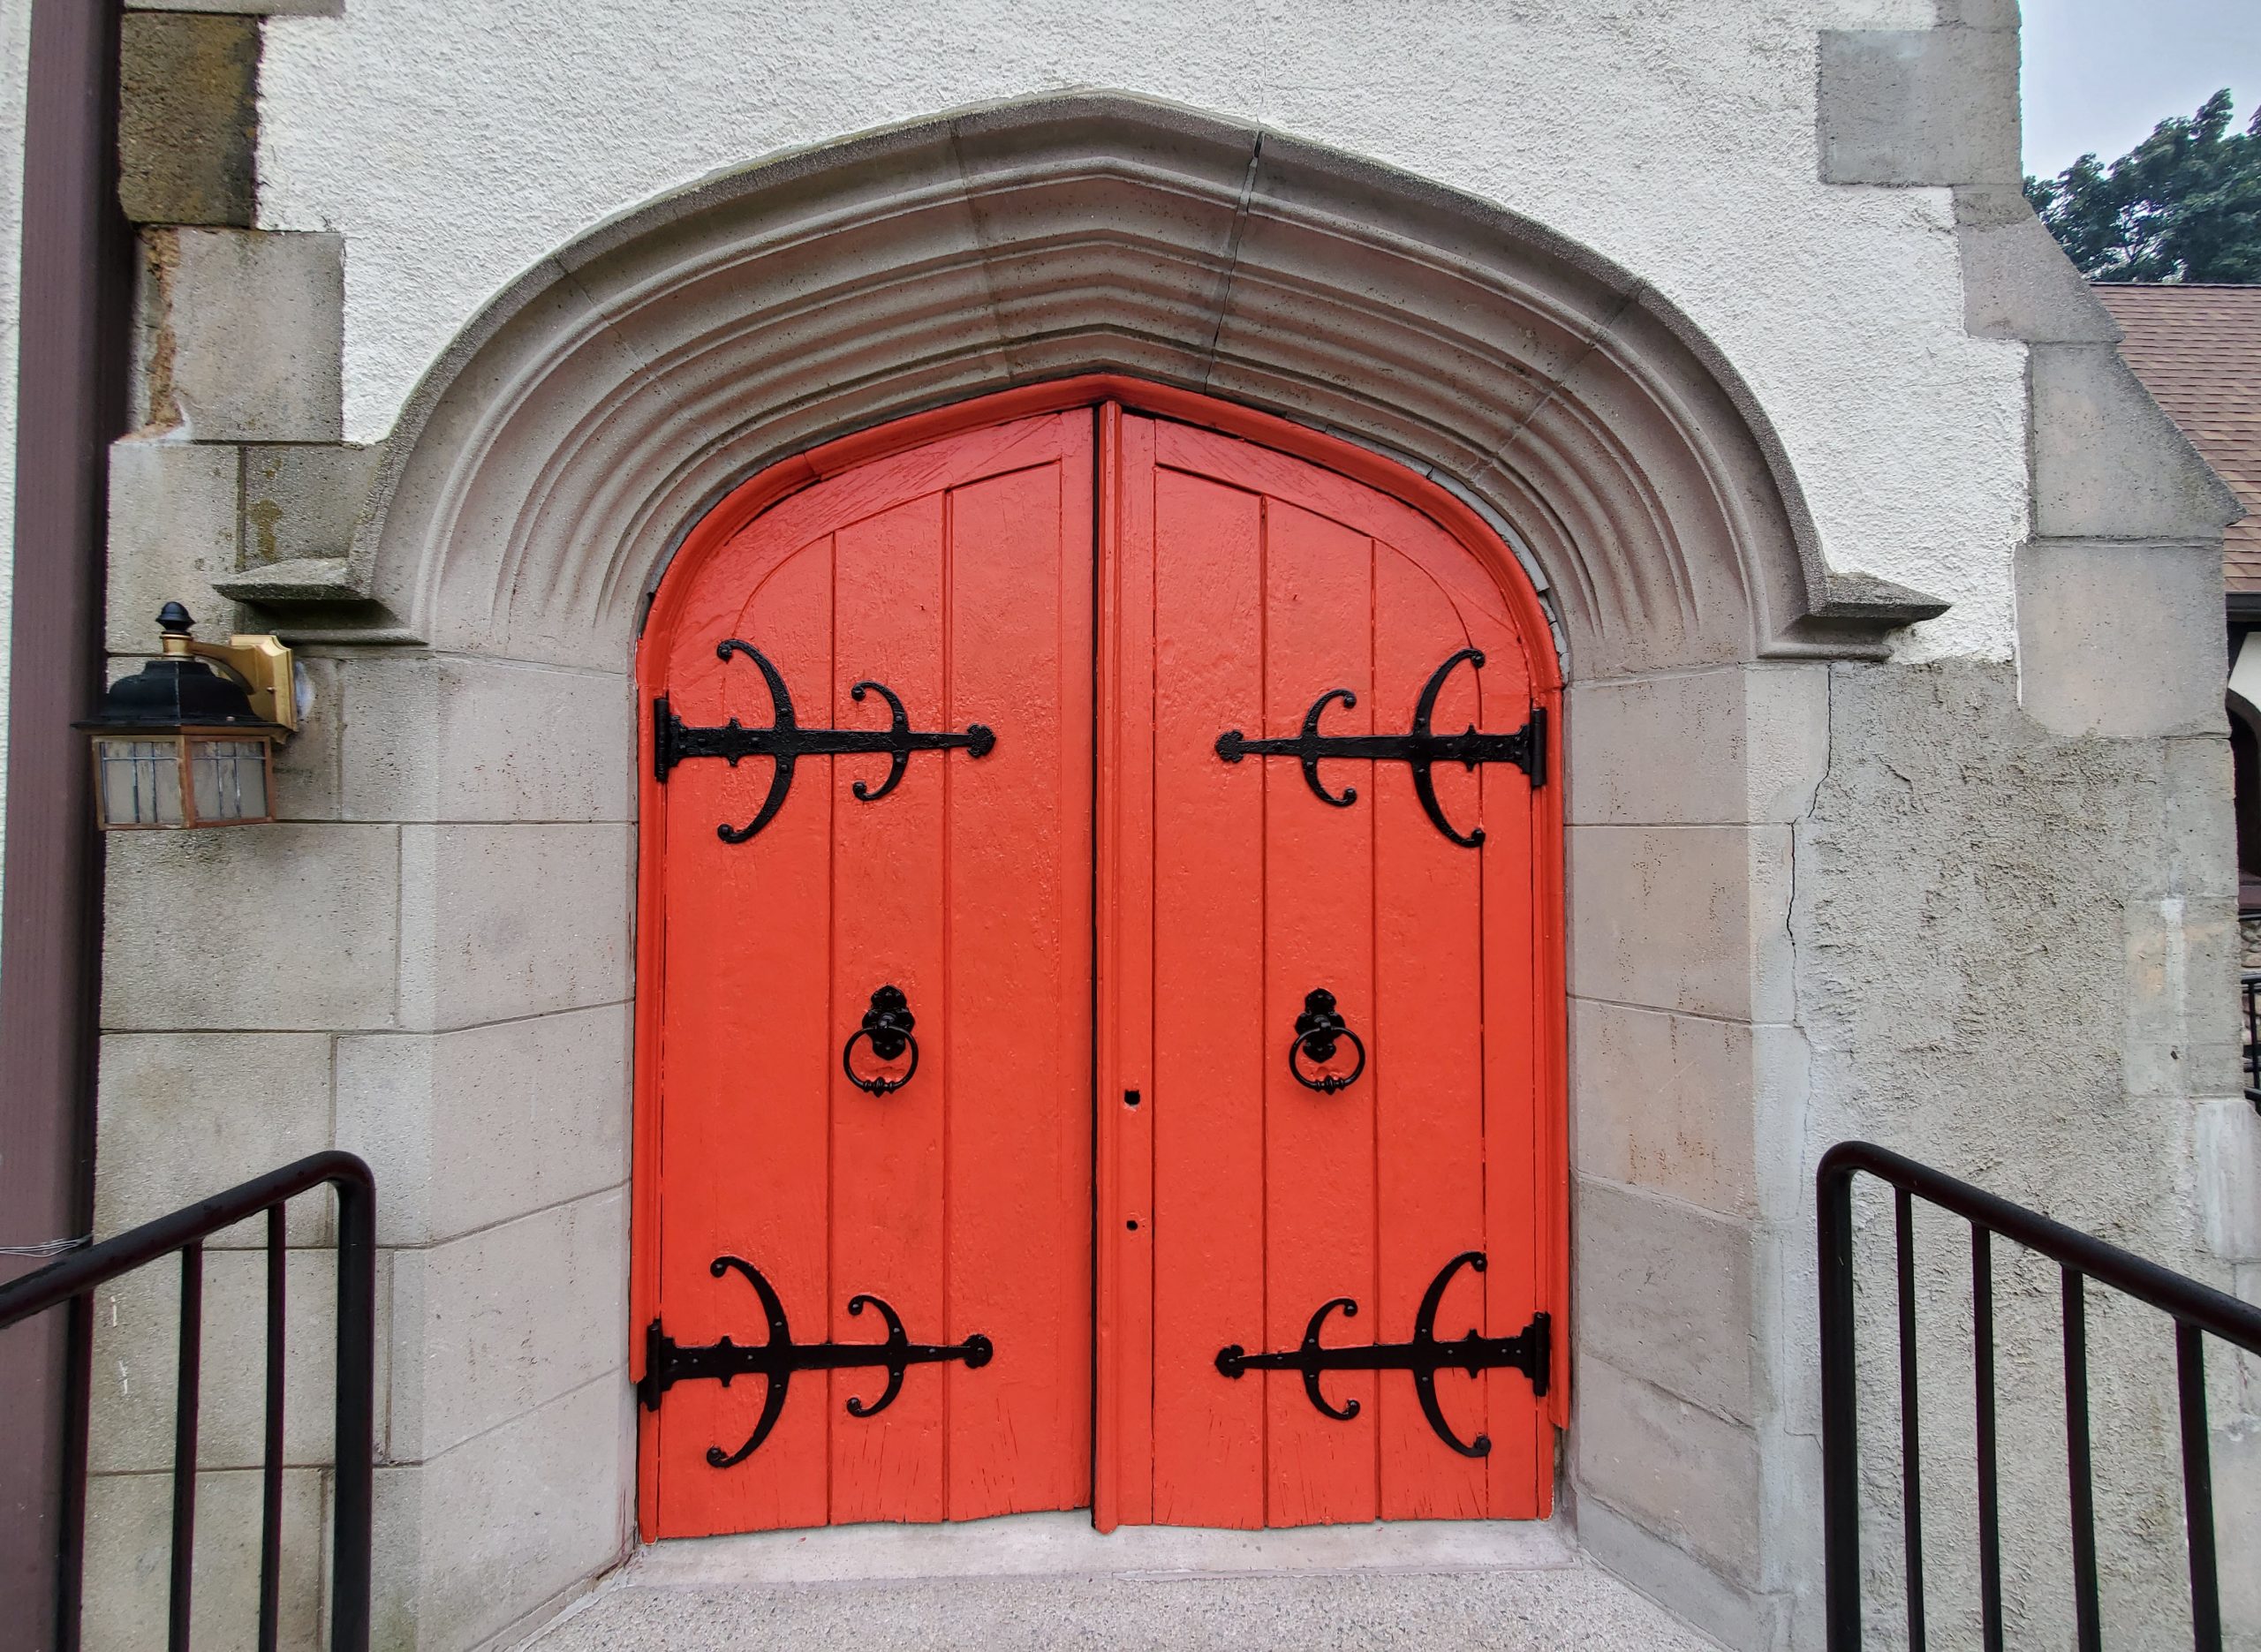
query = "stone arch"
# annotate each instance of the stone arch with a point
(545, 469)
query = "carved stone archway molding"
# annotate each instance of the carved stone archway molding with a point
(548, 464)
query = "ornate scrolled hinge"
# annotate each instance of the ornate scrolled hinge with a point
(667, 1362)
(1530, 1351)
(1421, 747)
(785, 742)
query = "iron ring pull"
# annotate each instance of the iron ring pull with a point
(1318, 1030)
(887, 1025)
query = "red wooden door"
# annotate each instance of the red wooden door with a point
(1249, 585)
(959, 575)
(1102, 873)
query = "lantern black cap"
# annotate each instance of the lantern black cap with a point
(177, 691)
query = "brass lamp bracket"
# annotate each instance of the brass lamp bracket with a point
(260, 663)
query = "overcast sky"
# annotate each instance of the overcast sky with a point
(2099, 74)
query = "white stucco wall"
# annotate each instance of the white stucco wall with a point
(457, 141)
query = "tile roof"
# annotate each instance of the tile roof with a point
(2198, 350)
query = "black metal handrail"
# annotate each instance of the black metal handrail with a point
(76, 1275)
(2196, 1308)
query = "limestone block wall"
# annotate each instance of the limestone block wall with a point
(409, 965)
(1689, 1151)
(444, 942)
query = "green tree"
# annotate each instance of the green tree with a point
(2183, 205)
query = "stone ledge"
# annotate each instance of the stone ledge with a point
(1373, 1600)
(301, 579)
(1853, 618)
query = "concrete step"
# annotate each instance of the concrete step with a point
(1036, 1582)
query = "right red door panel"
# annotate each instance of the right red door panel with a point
(1251, 1210)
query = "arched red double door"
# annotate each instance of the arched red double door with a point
(1098, 1014)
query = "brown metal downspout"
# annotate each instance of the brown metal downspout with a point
(75, 285)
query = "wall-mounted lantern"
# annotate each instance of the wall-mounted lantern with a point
(181, 745)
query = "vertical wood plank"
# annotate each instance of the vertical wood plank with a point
(888, 919)
(746, 1055)
(1019, 1145)
(1319, 1170)
(1123, 1493)
(1209, 1004)
(1429, 1034)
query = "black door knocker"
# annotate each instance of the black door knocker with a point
(1530, 1351)
(667, 1361)
(887, 1024)
(1318, 1029)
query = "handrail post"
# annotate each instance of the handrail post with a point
(2199, 1310)
(1841, 1508)
(356, 1446)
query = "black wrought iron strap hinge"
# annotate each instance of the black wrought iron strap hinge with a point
(1530, 1350)
(667, 1361)
(784, 742)
(1421, 747)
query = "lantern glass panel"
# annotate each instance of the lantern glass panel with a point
(139, 780)
(228, 778)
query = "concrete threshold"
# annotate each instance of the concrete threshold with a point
(1054, 1545)
(1046, 1581)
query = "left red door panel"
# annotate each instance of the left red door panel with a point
(955, 578)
